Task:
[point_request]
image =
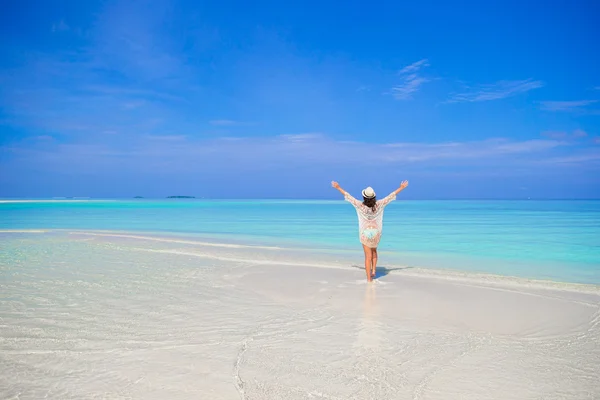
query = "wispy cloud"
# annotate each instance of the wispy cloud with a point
(224, 122)
(230, 123)
(191, 162)
(567, 106)
(133, 104)
(587, 157)
(168, 138)
(579, 133)
(303, 137)
(562, 135)
(411, 80)
(495, 91)
(414, 67)
(123, 76)
(133, 39)
(60, 26)
(150, 152)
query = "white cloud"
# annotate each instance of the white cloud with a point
(496, 91)
(150, 153)
(168, 138)
(303, 137)
(577, 159)
(229, 122)
(411, 80)
(562, 135)
(577, 105)
(223, 122)
(60, 26)
(130, 105)
(414, 67)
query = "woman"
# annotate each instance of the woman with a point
(370, 222)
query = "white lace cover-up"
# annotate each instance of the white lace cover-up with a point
(370, 223)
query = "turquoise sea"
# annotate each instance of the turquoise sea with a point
(556, 240)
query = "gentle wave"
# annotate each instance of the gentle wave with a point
(457, 276)
(169, 240)
(23, 230)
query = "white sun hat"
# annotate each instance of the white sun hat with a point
(368, 193)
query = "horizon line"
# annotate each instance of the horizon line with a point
(191, 198)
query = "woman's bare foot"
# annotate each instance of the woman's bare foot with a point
(373, 273)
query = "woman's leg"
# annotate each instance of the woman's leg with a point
(368, 261)
(374, 261)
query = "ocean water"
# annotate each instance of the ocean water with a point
(555, 240)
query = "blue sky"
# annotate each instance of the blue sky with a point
(273, 99)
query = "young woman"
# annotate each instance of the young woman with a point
(370, 222)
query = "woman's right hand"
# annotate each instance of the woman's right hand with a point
(335, 184)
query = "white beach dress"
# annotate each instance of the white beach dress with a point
(370, 223)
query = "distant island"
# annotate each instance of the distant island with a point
(181, 197)
(138, 197)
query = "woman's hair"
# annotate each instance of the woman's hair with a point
(370, 202)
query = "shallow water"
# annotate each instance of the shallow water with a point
(557, 240)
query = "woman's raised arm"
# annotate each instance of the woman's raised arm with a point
(347, 196)
(403, 186)
(337, 186)
(392, 196)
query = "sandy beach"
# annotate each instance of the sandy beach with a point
(127, 316)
